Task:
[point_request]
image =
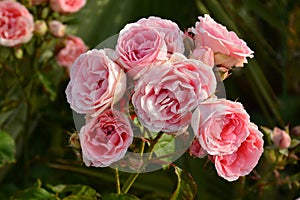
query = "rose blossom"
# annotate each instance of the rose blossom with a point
(229, 49)
(96, 83)
(74, 46)
(56, 28)
(105, 139)
(220, 125)
(281, 138)
(67, 6)
(170, 31)
(165, 96)
(138, 47)
(16, 24)
(242, 161)
(197, 150)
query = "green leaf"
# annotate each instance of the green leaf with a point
(186, 187)
(34, 194)
(266, 130)
(294, 143)
(74, 192)
(284, 152)
(7, 148)
(164, 147)
(48, 85)
(119, 197)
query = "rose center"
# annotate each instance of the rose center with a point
(109, 130)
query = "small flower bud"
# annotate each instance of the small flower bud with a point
(19, 53)
(37, 2)
(57, 29)
(197, 150)
(296, 130)
(281, 138)
(74, 141)
(40, 27)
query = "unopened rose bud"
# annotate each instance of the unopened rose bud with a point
(19, 53)
(197, 150)
(56, 28)
(37, 2)
(74, 141)
(204, 54)
(296, 130)
(281, 138)
(40, 27)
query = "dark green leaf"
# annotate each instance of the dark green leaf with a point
(7, 148)
(74, 192)
(186, 187)
(34, 194)
(48, 85)
(119, 197)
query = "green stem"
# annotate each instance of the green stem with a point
(153, 143)
(118, 181)
(131, 179)
(129, 182)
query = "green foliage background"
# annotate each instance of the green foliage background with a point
(268, 86)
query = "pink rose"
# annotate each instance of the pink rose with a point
(281, 138)
(56, 28)
(204, 54)
(16, 24)
(67, 6)
(138, 47)
(96, 83)
(170, 31)
(242, 161)
(74, 46)
(165, 96)
(220, 125)
(105, 139)
(197, 150)
(229, 49)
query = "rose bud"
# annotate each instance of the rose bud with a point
(56, 28)
(40, 27)
(296, 130)
(281, 138)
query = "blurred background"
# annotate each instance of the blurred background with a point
(268, 86)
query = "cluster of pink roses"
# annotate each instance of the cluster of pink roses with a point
(17, 26)
(223, 131)
(174, 88)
